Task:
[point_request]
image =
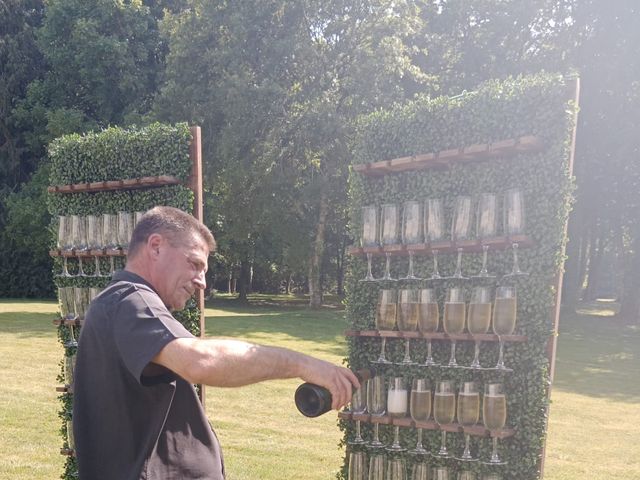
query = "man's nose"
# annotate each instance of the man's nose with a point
(200, 281)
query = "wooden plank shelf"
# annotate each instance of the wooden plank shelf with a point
(444, 158)
(467, 246)
(476, 430)
(113, 185)
(67, 452)
(484, 337)
(116, 252)
(69, 322)
(65, 389)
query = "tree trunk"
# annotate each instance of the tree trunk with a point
(243, 281)
(595, 257)
(317, 250)
(289, 281)
(571, 284)
(342, 245)
(630, 302)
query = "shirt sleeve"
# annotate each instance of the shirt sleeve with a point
(143, 326)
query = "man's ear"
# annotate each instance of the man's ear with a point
(154, 242)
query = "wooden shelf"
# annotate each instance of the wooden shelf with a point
(476, 430)
(65, 389)
(68, 452)
(112, 185)
(444, 158)
(485, 337)
(467, 246)
(74, 322)
(117, 252)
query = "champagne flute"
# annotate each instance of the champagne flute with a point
(397, 408)
(376, 405)
(389, 235)
(468, 414)
(411, 232)
(494, 415)
(369, 237)
(466, 475)
(486, 228)
(125, 221)
(434, 231)
(396, 469)
(79, 239)
(137, 216)
(357, 466)
(110, 235)
(444, 410)
(441, 473)
(429, 319)
(385, 317)
(420, 409)
(479, 319)
(514, 224)
(460, 230)
(420, 471)
(453, 319)
(408, 313)
(504, 318)
(377, 461)
(359, 406)
(64, 243)
(94, 239)
(492, 476)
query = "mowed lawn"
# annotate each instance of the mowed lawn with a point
(594, 432)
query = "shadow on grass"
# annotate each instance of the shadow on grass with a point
(28, 318)
(598, 356)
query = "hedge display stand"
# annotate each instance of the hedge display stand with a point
(117, 170)
(517, 133)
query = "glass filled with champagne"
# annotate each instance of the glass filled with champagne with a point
(357, 466)
(468, 413)
(396, 469)
(504, 318)
(444, 410)
(467, 475)
(386, 310)
(408, 314)
(420, 408)
(429, 318)
(453, 320)
(376, 404)
(494, 415)
(377, 462)
(420, 471)
(441, 473)
(397, 400)
(479, 318)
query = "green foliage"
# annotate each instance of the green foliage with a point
(115, 154)
(496, 110)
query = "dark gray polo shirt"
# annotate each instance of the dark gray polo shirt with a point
(130, 426)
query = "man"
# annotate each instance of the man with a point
(136, 414)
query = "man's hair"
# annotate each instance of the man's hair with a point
(174, 224)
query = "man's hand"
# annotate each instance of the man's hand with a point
(339, 381)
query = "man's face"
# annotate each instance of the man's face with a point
(180, 271)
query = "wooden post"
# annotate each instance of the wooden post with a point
(574, 90)
(195, 183)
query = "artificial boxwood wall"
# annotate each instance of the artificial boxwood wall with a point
(115, 154)
(540, 105)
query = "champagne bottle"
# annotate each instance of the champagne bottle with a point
(313, 400)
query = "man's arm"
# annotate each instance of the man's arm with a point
(232, 363)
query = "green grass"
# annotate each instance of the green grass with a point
(593, 427)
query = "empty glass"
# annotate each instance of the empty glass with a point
(514, 224)
(408, 314)
(359, 405)
(137, 216)
(468, 413)
(420, 409)
(494, 415)
(441, 473)
(125, 222)
(434, 230)
(466, 475)
(453, 319)
(357, 466)
(411, 231)
(389, 235)
(94, 239)
(420, 471)
(79, 239)
(444, 410)
(369, 237)
(377, 462)
(65, 242)
(81, 300)
(376, 404)
(429, 319)
(486, 227)
(479, 318)
(461, 230)
(396, 469)
(504, 318)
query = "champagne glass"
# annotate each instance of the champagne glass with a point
(453, 319)
(377, 462)
(376, 405)
(94, 239)
(434, 231)
(411, 232)
(63, 303)
(137, 216)
(504, 318)
(441, 473)
(466, 475)
(514, 224)
(444, 410)
(81, 298)
(460, 230)
(408, 313)
(386, 317)
(492, 476)
(389, 235)
(494, 415)
(69, 297)
(429, 319)
(357, 466)
(125, 220)
(79, 239)
(369, 237)
(397, 408)
(64, 243)
(486, 228)
(358, 406)
(420, 471)
(420, 409)
(479, 318)
(110, 236)
(468, 414)
(396, 469)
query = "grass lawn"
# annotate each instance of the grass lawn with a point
(593, 432)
